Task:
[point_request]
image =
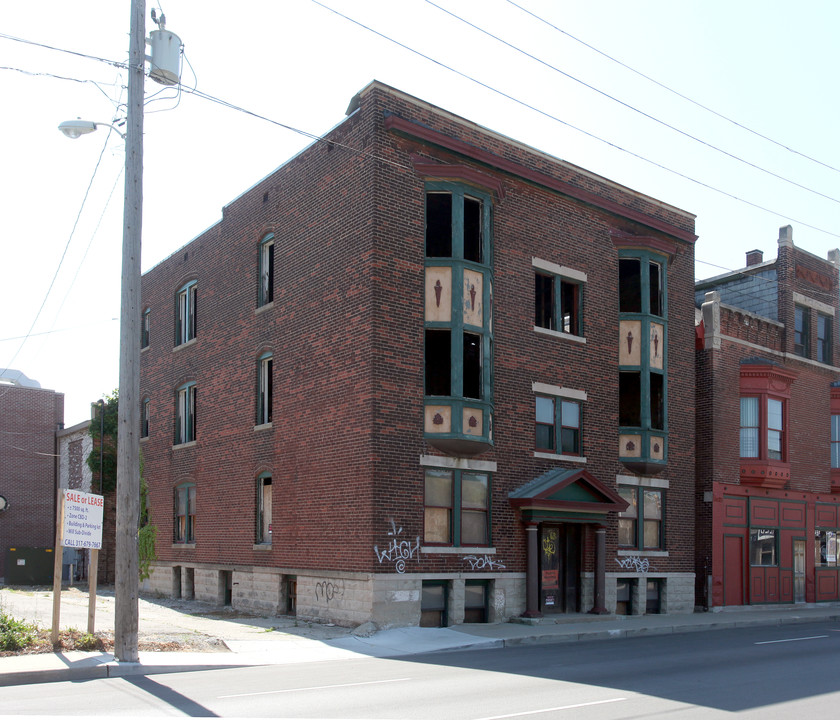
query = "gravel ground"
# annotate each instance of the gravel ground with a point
(165, 624)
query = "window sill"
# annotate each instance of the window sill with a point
(632, 552)
(457, 550)
(264, 308)
(555, 456)
(184, 345)
(144, 349)
(264, 426)
(262, 547)
(561, 335)
(180, 446)
(183, 546)
(144, 438)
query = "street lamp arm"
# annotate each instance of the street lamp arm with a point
(76, 128)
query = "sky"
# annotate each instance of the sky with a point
(726, 109)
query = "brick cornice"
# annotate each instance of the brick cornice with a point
(394, 123)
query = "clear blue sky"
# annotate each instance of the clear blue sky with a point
(771, 66)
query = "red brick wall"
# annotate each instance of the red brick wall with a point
(346, 330)
(29, 419)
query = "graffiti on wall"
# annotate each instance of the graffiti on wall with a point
(329, 590)
(635, 563)
(398, 550)
(483, 562)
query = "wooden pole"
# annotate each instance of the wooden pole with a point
(57, 561)
(127, 585)
(93, 571)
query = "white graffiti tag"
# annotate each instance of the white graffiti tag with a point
(484, 562)
(634, 562)
(398, 551)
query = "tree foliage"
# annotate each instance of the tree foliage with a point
(106, 415)
(106, 421)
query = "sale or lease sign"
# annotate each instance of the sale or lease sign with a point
(82, 526)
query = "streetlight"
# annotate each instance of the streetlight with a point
(78, 127)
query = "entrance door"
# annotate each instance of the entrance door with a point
(560, 549)
(733, 570)
(799, 570)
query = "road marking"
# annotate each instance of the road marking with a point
(554, 709)
(771, 642)
(317, 687)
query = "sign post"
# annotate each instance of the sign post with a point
(79, 526)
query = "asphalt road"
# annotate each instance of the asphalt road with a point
(773, 672)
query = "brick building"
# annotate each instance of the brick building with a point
(30, 416)
(424, 374)
(768, 480)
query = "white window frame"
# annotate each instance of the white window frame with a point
(185, 414)
(185, 322)
(265, 381)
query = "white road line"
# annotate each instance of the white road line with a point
(771, 642)
(554, 709)
(317, 687)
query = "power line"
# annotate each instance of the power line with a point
(633, 108)
(574, 127)
(63, 255)
(675, 92)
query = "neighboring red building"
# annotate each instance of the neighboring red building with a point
(424, 374)
(30, 417)
(768, 480)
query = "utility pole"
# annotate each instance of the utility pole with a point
(127, 586)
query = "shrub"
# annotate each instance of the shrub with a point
(15, 634)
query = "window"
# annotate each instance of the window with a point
(750, 427)
(752, 422)
(145, 328)
(642, 352)
(433, 600)
(144, 420)
(835, 441)
(556, 298)
(185, 414)
(640, 526)
(264, 392)
(185, 514)
(439, 224)
(458, 359)
(457, 508)
(438, 362)
(763, 547)
(266, 292)
(802, 331)
(558, 426)
(826, 548)
(475, 601)
(264, 509)
(185, 321)
(630, 399)
(824, 354)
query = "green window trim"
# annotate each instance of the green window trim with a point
(642, 525)
(643, 388)
(458, 354)
(457, 508)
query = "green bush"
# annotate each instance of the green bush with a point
(15, 634)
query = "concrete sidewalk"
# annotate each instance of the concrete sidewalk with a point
(245, 641)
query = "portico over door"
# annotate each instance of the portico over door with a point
(563, 498)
